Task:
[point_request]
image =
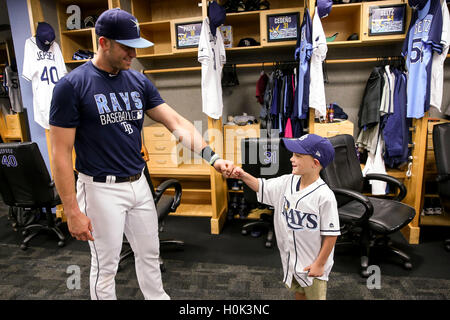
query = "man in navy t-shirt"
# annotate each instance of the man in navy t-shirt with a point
(99, 109)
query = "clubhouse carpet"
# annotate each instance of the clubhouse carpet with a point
(228, 266)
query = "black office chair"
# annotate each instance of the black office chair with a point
(26, 184)
(263, 158)
(365, 220)
(165, 204)
(441, 145)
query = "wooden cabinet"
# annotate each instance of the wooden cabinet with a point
(347, 19)
(332, 129)
(163, 149)
(430, 185)
(366, 37)
(233, 134)
(84, 39)
(157, 21)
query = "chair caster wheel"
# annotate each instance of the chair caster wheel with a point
(23, 247)
(244, 232)
(61, 244)
(407, 265)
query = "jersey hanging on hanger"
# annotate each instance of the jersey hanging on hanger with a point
(43, 69)
(211, 54)
(303, 55)
(12, 82)
(437, 68)
(317, 98)
(423, 38)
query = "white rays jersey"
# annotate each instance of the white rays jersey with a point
(211, 54)
(316, 87)
(43, 69)
(301, 218)
(437, 68)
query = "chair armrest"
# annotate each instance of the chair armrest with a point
(390, 180)
(166, 185)
(365, 201)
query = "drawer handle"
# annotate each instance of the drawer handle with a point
(161, 161)
(159, 134)
(160, 148)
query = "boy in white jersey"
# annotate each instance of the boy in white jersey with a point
(306, 218)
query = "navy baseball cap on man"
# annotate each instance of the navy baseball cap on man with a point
(121, 26)
(45, 35)
(316, 146)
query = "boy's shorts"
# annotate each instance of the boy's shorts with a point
(317, 291)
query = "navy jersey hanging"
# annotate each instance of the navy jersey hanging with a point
(303, 55)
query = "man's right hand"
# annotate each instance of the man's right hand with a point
(80, 227)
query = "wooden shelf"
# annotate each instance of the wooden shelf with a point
(184, 170)
(193, 210)
(436, 220)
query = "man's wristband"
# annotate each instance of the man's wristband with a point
(209, 155)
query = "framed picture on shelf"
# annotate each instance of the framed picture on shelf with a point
(282, 27)
(387, 20)
(188, 34)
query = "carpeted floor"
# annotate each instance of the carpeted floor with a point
(216, 267)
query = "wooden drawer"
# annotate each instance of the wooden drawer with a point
(165, 160)
(333, 129)
(161, 146)
(157, 132)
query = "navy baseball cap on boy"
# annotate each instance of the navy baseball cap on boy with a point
(45, 35)
(316, 146)
(121, 26)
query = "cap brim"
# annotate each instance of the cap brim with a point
(293, 146)
(136, 43)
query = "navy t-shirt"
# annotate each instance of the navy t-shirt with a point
(108, 113)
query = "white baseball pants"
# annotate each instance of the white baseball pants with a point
(115, 209)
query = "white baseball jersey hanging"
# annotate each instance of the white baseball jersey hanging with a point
(43, 65)
(317, 88)
(437, 68)
(211, 54)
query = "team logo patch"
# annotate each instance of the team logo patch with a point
(136, 24)
(303, 137)
(331, 225)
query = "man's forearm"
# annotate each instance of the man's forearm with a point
(65, 181)
(189, 136)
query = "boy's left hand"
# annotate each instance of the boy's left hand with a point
(315, 270)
